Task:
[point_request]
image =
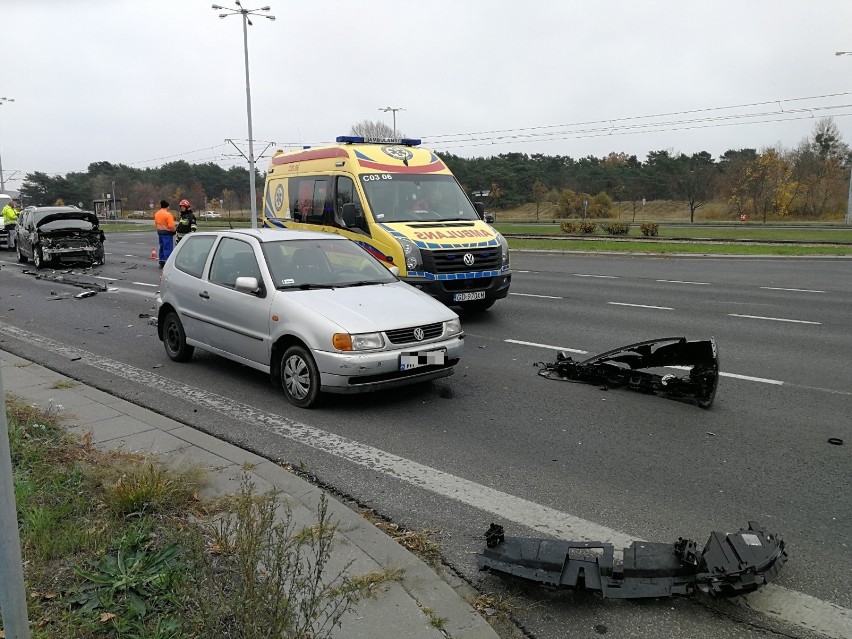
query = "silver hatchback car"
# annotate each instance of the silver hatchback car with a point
(313, 309)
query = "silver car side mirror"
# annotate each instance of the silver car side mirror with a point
(247, 285)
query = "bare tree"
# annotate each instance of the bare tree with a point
(374, 129)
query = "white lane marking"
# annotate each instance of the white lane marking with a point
(129, 256)
(748, 378)
(660, 308)
(787, 605)
(121, 289)
(557, 348)
(523, 271)
(101, 277)
(550, 297)
(775, 319)
(603, 277)
(144, 284)
(796, 290)
(685, 282)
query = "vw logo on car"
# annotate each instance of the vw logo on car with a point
(468, 259)
(418, 334)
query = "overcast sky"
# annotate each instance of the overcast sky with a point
(143, 82)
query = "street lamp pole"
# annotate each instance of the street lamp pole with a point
(3, 100)
(849, 198)
(245, 13)
(394, 110)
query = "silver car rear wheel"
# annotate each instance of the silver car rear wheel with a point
(174, 339)
(300, 377)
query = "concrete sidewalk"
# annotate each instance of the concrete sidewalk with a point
(398, 611)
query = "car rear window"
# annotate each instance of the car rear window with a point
(192, 254)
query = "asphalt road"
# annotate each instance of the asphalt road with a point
(495, 442)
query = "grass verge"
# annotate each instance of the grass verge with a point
(115, 545)
(676, 247)
(699, 232)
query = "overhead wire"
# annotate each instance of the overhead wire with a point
(626, 125)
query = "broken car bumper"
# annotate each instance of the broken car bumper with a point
(730, 563)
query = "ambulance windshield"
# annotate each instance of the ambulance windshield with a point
(395, 197)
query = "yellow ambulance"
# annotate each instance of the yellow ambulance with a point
(402, 204)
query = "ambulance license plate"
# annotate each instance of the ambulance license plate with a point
(418, 359)
(466, 297)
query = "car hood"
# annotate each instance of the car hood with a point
(367, 309)
(60, 217)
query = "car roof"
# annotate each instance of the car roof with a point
(276, 235)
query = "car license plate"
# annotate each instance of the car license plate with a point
(466, 297)
(417, 359)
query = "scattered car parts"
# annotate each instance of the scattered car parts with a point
(730, 563)
(622, 367)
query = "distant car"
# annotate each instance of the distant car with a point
(313, 309)
(211, 214)
(53, 235)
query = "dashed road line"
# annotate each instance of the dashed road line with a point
(748, 378)
(549, 297)
(795, 290)
(790, 606)
(684, 282)
(659, 308)
(775, 319)
(145, 284)
(603, 277)
(557, 348)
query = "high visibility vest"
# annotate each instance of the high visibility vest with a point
(10, 215)
(164, 220)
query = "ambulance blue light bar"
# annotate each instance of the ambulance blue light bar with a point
(357, 139)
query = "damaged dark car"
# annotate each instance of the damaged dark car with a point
(54, 235)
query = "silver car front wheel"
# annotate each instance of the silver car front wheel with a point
(300, 377)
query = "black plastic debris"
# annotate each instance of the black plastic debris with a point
(622, 367)
(730, 563)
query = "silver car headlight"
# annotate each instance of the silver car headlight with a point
(358, 342)
(452, 327)
(411, 252)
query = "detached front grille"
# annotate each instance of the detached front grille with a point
(406, 335)
(484, 259)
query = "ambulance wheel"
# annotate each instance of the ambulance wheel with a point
(300, 378)
(174, 339)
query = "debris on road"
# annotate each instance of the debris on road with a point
(84, 294)
(621, 367)
(730, 564)
(835, 441)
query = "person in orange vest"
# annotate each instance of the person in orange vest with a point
(165, 223)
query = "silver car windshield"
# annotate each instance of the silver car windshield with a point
(303, 264)
(397, 197)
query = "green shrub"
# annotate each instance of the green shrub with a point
(616, 228)
(650, 229)
(588, 227)
(569, 227)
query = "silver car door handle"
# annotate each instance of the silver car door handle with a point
(204, 295)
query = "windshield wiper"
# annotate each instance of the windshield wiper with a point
(360, 283)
